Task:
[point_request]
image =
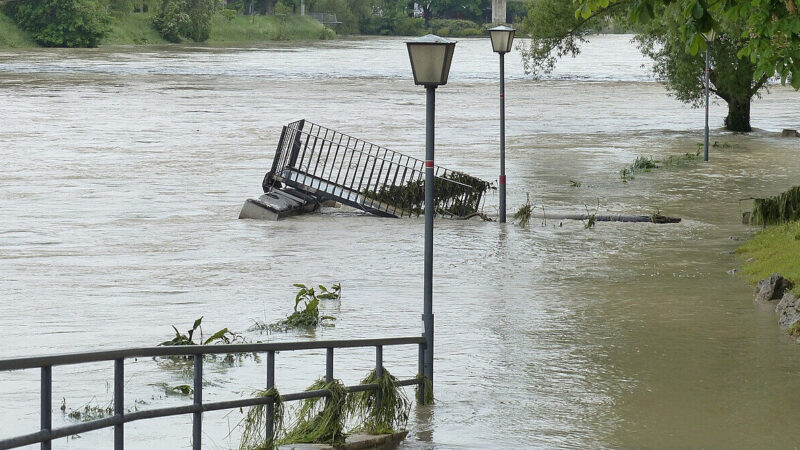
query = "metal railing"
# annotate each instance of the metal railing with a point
(360, 174)
(46, 363)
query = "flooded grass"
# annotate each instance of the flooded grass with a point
(773, 250)
(644, 164)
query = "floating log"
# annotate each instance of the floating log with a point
(655, 218)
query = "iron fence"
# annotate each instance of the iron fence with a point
(47, 433)
(363, 175)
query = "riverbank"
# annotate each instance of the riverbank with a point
(775, 249)
(138, 29)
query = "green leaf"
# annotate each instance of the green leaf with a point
(216, 336)
(697, 10)
(197, 323)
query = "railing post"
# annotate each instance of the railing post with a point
(271, 405)
(119, 402)
(197, 416)
(379, 372)
(47, 405)
(329, 366)
(420, 373)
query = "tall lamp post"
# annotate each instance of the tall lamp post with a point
(709, 36)
(502, 38)
(430, 62)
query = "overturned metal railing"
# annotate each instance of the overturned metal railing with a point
(327, 163)
(47, 434)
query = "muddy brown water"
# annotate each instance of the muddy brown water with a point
(124, 170)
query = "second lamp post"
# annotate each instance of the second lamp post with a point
(430, 61)
(502, 38)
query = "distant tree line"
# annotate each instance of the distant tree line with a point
(84, 23)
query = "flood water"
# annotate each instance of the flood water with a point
(124, 170)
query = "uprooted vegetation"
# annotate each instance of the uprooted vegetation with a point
(644, 164)
(455, 194)
(306, 313)
(325, 420)
(782, 208)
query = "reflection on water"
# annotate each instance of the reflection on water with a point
(125, 170)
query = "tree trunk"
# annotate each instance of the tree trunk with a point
(738, 115)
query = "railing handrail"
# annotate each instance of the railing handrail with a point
(47, 433)
(34, 362)
(379, 148)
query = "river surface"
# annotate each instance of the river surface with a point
(124, 169)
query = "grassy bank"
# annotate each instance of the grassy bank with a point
(775, 249)
(133, 29)
(11, 36)
(267, 28)
(138, 29)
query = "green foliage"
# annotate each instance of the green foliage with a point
(471, 10)
(662, 35)
(181, 390)
(391, 415)
(11, 36)
(222, 336)
(61, 23)
(306, 309)
(88, 412)
(574, 183)
(773, 250)
(646, 164)
(132, 29)
(427, 387)
(457, 28)
(266, 28)
(770, 27)
(254, 423)
(456, 194)
(179, 20)
(120, 8)
(228, 14)
(782, 208)
(523, 215)
(320, 420)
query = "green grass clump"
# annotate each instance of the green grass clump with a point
(779, 209)
(320, 420)
(133, 29)
(525, 212)
(13, 37)
(254, 423)
(455, 194)
(646, 164)
(391, 415)
(267, 28)
(427, 387)
(774, 249)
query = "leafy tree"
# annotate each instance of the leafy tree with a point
(732, 78)
(771, 28)
(558, 31)
(61, 23)
(185, 19)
